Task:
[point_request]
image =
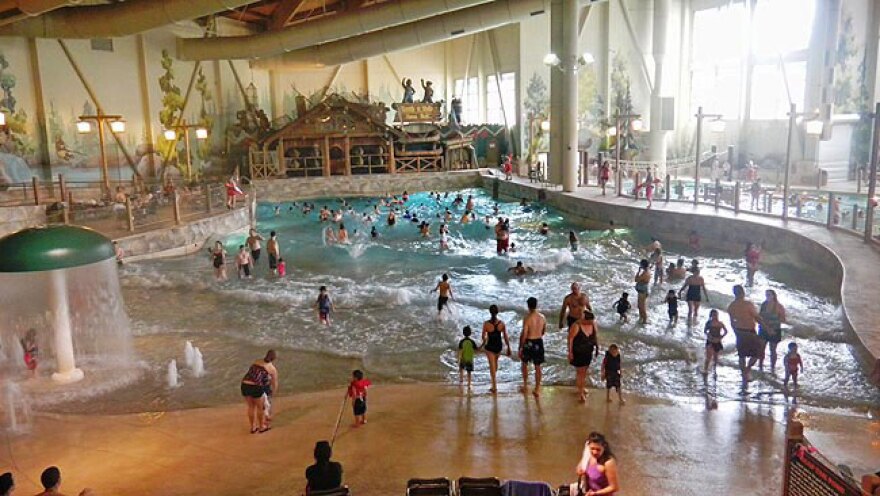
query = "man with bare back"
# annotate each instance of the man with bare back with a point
(573, 305)
(531, 345)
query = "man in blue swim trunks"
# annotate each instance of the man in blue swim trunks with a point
(531, 345)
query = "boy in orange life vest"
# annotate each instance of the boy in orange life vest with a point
(357, 391)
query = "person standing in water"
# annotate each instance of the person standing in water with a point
(657, 261)
(743, 317)
(243, 260)
(324, 306)
(31, 350)
(695, 285)
(342, 235)
(642, 279)
(261, 378)
(218, 260)
(715, 331)
(583, 342)
(531, 344)
(445, 293)
(502, 236)
(253, 243)
(772, 317)
(572, 241)
(792, 361)
(274, 250)
(494, 340)
(753, 257)
(573, 306)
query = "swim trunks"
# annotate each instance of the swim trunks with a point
(715, 346)
(360, 406)
(255, 254)
(570, 321)
(502, 244)
(749, 344)
(533, 351)
(273, 261)
(251, 390)
(246, 268)
(466, 366)
(442, 302)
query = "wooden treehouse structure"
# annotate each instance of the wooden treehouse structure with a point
(339, 137)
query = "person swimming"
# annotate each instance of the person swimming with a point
(520, 269)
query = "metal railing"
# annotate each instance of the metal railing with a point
(836, 210)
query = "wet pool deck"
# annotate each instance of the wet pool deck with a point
(663, 447)
(860, 291)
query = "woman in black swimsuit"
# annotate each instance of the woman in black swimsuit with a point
(583, 342)
(493, 332)
(695, 286)
(218, 259)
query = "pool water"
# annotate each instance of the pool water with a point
(386, 320)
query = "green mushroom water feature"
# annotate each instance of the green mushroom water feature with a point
(62, 283)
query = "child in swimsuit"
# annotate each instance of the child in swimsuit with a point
(622, 307)
(611, 372)
(31, 350)
(672, 304)
(282, 267)
(715, 331)
(357, 391)
(324, 305)
(792, 361)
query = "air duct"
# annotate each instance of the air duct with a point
(344, 25)
(415, 34)
(116, 20)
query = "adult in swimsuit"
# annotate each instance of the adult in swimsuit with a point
(493, 332)
(261, 378)
(597, 470)
(772, 315)
(694, 284)
(583, 342)
(573, 306)
(218, 260)
(642, 279)
(531, 345)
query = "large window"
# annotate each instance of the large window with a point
(470, 99)
(780, 31)
(494, 112)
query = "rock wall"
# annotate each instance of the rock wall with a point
(184, 239)
(14, 218)
(304, 188)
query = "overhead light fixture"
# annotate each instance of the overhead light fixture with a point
(718, 126)
(117, 126)
(545, 126)
(170, 134)
(201, 133)
(551, 59)
(83, 127)
(637, 125)
(814, 127)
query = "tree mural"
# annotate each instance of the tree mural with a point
(537, 109)
(621, 103)
(172, 101)
(591, 108)
(851, 94)
(18, 141)
(206, 114)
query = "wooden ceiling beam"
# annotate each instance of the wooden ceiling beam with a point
(284, 11)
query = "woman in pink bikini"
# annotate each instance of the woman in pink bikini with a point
(597, 470)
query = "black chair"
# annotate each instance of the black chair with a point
(339, 491)
(429, 487)
(485, 486)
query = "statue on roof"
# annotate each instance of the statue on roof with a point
(409, 92)
(429, 92)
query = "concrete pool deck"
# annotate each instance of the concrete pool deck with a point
(663, 446)
(854, 263)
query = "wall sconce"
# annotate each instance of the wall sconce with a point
(553, 60)
(170, 134)
(2, 119)
(201, 133)
(717, 126)
(545, 126)
(83, 127)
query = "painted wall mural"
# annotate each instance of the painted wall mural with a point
(16, 145)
